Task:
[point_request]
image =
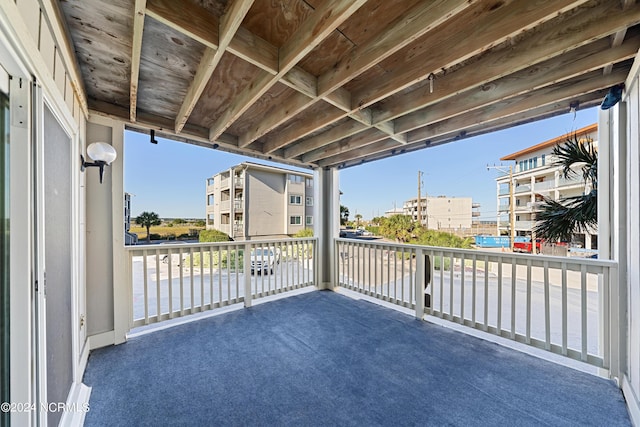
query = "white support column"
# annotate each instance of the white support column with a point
(612, 220)
(327, 215)
(604, 183)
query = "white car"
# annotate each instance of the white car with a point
(264, 260)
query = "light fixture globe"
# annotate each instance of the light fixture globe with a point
(102, 152)
(102, 155)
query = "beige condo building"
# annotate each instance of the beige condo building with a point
(253, 201)
(451, 214)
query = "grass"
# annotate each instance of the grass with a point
(165, 232)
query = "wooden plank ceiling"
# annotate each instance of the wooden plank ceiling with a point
(339, 82)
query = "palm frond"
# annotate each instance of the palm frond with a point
(559, 219)
(573, 152)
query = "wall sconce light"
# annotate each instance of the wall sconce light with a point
(102, 155)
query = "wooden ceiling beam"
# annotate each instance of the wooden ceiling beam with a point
(252, 49)
(450, 46)
(528, 12)
(302, 129)
(590, 24)
(385, 149)
(412, 25)
(618, 37)
(136, 50)
(322, 22)
(229, 24)
(583, 60)
(558, 97)
(561, 94)
(362, 139)
(344, 130)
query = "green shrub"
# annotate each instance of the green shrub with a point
(155, 236)
(374, 229)
(305, 232)
(207, 236)
(200, 223)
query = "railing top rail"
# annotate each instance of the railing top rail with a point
(139, 249)
(479, 252)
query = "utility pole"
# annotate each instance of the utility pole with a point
(419, 213)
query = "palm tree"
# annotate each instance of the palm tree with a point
(344, 215)
(560, 219)
(148, 219)
(399, 227)
(358, 218)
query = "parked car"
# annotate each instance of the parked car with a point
(264, 260)
(343, 233)
(359, 232)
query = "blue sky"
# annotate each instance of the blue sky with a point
(169, 178)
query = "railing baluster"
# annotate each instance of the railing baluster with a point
(220, 298)
(145, 277)
(181, 283)
(191, 279)
(564, 309)
(514, 274)
(500, 284)
(462, 261)
(442, 284)
(474, 278)
(485, 306)
(201, 280)
(211, 291)
(583, 309)
(452, 267)
(170, 281)
(158, 290)
(547, 308)
(528, 340)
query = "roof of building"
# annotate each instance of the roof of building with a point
(550, 143)
(270, 168)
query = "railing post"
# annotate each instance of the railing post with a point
(616, 322)
(420, 285)
(247, 275)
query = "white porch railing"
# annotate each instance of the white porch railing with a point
(170, 281)
(566, 306)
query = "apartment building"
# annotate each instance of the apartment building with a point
(129, 238)
(534, 177)
(452, 214)
(250, 201)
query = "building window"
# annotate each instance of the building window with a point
(210, 199)
(210, 181)
(309, 182)
(295, 199)
(295, 220)
(535, 162)
(542, 159)
(296, 179)
(309, 220)
(530, 163)
(309, 201)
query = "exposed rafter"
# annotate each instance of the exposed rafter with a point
(136, 48)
